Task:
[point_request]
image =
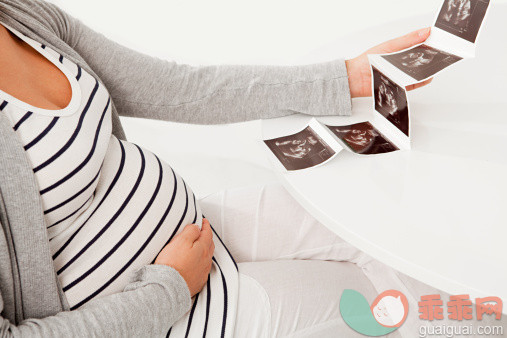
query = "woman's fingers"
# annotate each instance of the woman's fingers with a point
(212, 248)
(406, 41)
(206, 236)
(191, 255)
(191, 232)
(419, 85)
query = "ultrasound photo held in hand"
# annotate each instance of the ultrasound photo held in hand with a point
(422, 62)
(390, 101)
(392, 75)
(462, 18)
(302, 150)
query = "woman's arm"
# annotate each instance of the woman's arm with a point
(149, 306)
(157, 297)
(146, 86)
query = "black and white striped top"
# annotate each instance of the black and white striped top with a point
(111, 206)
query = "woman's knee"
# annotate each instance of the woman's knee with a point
(305, 293)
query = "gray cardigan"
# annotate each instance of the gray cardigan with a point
(31, 300)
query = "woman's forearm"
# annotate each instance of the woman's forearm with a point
(149, 306)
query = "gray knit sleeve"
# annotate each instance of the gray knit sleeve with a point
(155, 299)
(146, 86)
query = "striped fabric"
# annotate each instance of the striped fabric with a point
(110, 205)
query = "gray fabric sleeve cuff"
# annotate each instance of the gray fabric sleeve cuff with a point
(167, 277)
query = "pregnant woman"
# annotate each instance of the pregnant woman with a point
(100, 237)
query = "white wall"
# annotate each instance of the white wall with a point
(239, 31)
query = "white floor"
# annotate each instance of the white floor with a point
(240, 31)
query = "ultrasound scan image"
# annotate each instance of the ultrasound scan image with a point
(457, 13)
(462, 18)
(416, 59)
(422, 62)
(302, 150)
(363, 138)
(391, 101)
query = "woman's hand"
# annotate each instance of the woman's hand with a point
(359, 71)
(190, 253)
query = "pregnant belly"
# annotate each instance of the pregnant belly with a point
(140, 203)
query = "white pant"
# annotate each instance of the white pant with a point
(293, 269)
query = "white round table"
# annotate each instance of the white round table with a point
(438, 212)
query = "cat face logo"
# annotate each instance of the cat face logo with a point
(386, 314)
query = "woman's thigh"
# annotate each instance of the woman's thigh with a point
(301, 298)
(297, 298)
(264, 223)
(260, 223)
